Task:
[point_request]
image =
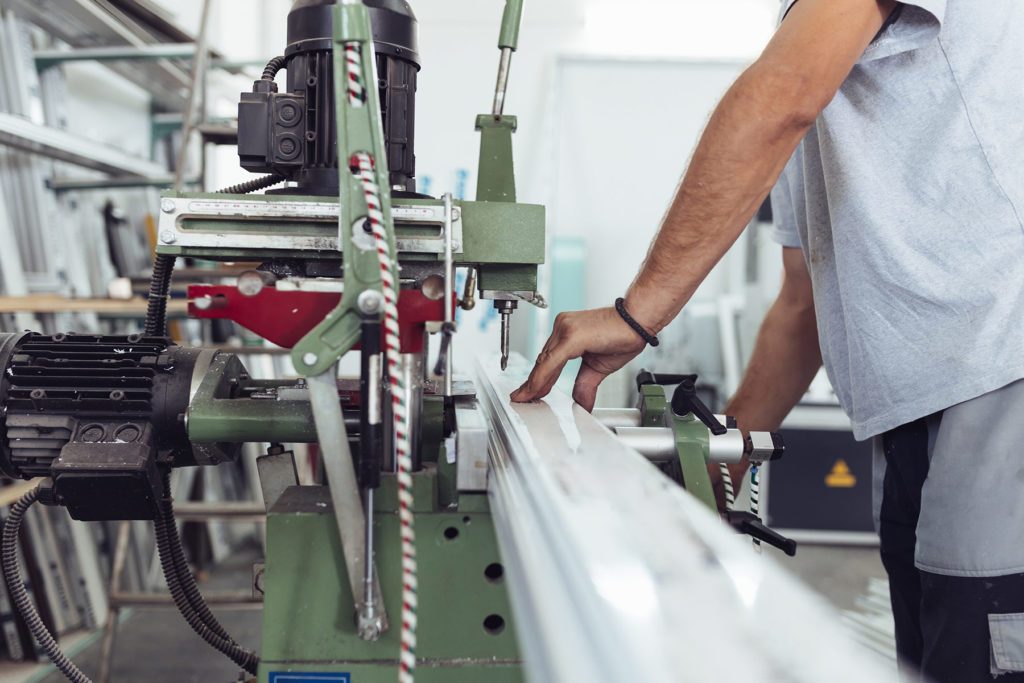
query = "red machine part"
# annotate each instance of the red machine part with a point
(284, 318)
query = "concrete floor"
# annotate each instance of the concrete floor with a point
(157, 646)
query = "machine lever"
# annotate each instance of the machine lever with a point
(646, 378)
(685, 400)
(749, 524)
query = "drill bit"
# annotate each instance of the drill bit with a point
(506, 321)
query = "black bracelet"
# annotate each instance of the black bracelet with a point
(620, 306)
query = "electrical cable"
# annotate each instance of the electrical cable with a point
(180, 581)
(364, 170)
(165, 540)
(19, 596)
(273, 66)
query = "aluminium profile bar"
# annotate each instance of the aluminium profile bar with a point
(22, 134)
(616, 573)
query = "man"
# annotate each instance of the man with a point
(900, 213)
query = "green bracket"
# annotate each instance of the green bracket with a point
(693, 443)
(359, 130)
(496, 176)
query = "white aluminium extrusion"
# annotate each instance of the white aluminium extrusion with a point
(615, 573)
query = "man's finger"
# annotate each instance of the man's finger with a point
(544, 375)
(587, 382)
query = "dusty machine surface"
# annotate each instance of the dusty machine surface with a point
(456, 537)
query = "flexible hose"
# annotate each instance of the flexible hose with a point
(159, 289)
(273, 66)
(19, 596)
(253, 185)
(246, 660)
(182, 571)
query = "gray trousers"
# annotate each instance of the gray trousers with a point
(950, 516)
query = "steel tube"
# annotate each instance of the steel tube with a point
(657, 444)
(727, 448)
(613, 418)
(501, 89)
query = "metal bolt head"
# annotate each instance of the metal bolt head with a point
(456, 213)
(310, 358)
(203, 303)
(456, 245)
(370, 302)
(167, 205)
(168, 237)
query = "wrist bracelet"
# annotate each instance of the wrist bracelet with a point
(620, 306)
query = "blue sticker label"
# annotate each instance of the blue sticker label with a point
(298, 677)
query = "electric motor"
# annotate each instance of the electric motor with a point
(103, 416)
(294, 134)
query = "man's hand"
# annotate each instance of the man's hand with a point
(604, 341)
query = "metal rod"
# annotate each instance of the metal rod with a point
(413, 371)
(369, 587)
(501, 89)
(449, 290)
(198, 68)
(613, 418)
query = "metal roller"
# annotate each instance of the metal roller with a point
(613, 418)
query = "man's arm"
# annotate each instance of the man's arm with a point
(785, 359)
(746, 144)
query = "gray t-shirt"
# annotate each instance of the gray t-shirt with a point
(906, 197)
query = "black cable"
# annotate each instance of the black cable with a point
(246, 660)
(253, 185)
(19, 596)
(273, 66)
(182, 571)
(159, 290)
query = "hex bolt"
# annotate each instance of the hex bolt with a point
(168, 237)
(167, 205)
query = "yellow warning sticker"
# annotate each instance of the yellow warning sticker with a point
(840, 477)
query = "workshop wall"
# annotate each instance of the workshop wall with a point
(684, 53)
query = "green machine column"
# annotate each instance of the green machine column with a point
(466, 632)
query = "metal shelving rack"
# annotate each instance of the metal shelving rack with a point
(138, 41)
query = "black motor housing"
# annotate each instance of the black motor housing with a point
(103, 416)
(294, 133)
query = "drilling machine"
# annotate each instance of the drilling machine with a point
(350, 258)
(391, 565)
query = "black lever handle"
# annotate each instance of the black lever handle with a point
(749, 524)
(685, 400)
(646, 378)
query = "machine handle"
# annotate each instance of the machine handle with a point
(510, 21)
(647, 378)
(685, 400)
(749, 524)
